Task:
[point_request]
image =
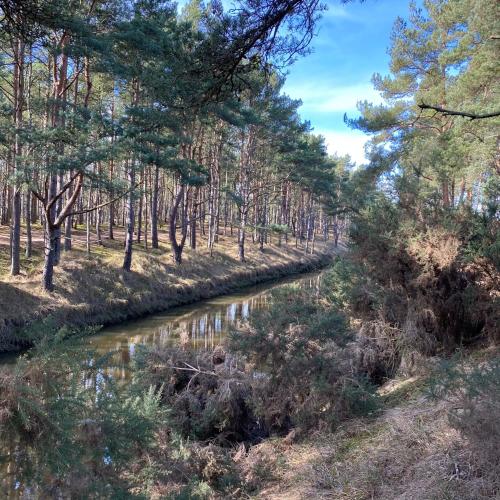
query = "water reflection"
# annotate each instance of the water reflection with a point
(199, 326)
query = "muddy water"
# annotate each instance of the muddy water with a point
(202, 325)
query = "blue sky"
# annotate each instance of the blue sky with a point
(350, 46)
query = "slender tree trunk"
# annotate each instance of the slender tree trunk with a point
(146, 213)
(18, 118)
(111, 208)
(87, 232)
(245, 155)
(154, 210)
(446, 194)
(193, 217)
(68, 224)
(51, 235)
(15, 246)
(58, 207)
(98, 225)
(139, 212)
(29, 237)
(177, 247)
(68, 228)
(242, 236)
(129, 237)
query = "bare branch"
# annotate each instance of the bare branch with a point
(97, 207)
(449, 112)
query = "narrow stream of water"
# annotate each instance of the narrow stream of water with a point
(202, 325)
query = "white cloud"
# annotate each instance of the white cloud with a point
(336, 11)
(329, 99)
(342, 143)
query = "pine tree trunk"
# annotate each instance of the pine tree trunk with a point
(177, 248)
(18, 87)
(51, 236)
(68, 227)
(139, 212)
(29, 237)
(87, 233)
(446, 194)
(335, 232)
(193, 217)
(15, 247)
(129, 237)
(154, 210)
(98, 226)
(111, 208)
(241, 238)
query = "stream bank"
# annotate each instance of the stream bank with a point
(96, 292)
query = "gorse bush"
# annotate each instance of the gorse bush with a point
(482, 238)
(421, 280)
(208, 394)
(298, 346)
(290, 367)
(474, 394)
(66, 429)
(347, 286)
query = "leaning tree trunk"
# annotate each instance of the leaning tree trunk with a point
(177, 247)
(53, 223)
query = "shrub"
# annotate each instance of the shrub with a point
(298, 343)
(299, 374)
(65, 427)
(475, 396)
(207, 393)
(346, 286)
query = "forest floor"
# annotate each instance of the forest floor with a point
(408, 450)
(94, 290)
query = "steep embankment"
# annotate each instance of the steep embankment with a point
(94, 290)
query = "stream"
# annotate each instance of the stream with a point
(202, 325)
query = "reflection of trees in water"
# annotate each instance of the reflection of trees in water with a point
(207, 330)
(202, 329)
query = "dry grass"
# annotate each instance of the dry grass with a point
(412, 451)
(95, 290)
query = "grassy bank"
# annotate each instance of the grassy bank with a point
(94, 290)
(414, 447)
